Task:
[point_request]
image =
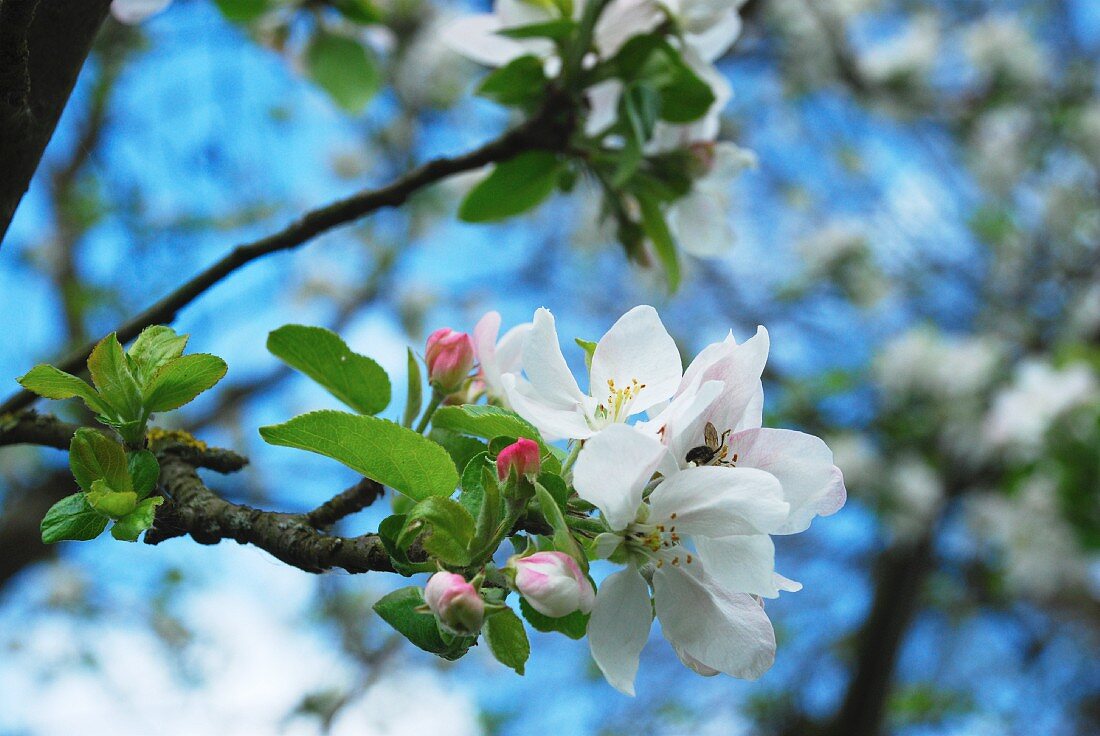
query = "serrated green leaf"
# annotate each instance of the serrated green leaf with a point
(443, 527)
(108, 501)
(153, 348)
(93, 456)
(514, 186)
(414, 395)
(519, 83)
(72, 518)
(179, 381)
(52, 383)
(653, 221)
(377, 448)
(460, 447)
(111, 374)
(144, 471)
(130, 526)
(507, 639)
(344, 69)
(352, 378)
(575, 625)
(480, 420)
(399, 610)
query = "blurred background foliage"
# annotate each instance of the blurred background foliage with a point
(921, 237)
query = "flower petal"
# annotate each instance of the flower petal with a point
(612, 470)
(476, 38)
(545, 366)
(739, 367)
(812, 485)
(619, 627)
(744, 564)
(719, 630)
(553, 422)
(713, 501)
(637, 347)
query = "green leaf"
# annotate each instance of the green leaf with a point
(480, 420)
(242, 11)
(181, 380)
(110, 502)
(555, 30)
(377, 448)
(514, 186)
(51, 383)
(557, 488)
(653, 220)
(563, 538)
(473, 490)
(649, 58)
(93, 456)
(111, 375)
(344, 69)
(507, 639)
(399, 610)
(354, 379)
(358, 11)
(575, 625)
(414, 396)
(130, 527)
(641, 106)
(443, 527)
(153, 348)
(72, 518)
(144, 471)
(518, 83)
(460, 447)
(589, 349)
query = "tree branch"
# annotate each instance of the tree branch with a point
(353, 500)
(43, 46)
(546, 130)
(193, 509)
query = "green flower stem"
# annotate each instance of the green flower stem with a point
(436, 400)
(570, 459)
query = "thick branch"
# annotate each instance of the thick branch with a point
(546, 130)
(31, 428)
(193, 509)
(43, 45)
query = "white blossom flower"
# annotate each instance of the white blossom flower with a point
(700, 219)
(135, 11)
(635, 366)
(1039, 395)
(497, 357)
(664, 540)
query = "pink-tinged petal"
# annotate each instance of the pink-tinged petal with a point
(739, 367)
(619, 627)
(545, 366)
(714, 501)
(554, 423)
(812, 485)
(680, 425)
(613, 469)
(719, 630)
(637, 347)
(742, 564)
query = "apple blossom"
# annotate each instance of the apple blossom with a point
(135, 11)
(699, 219)
(456, 603)
(450, 357)
(497, 357)
(712, 627)
(521, 457)
(635, 366)
(553, 583)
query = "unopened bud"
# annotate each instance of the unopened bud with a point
(456, 604)
(520, 457)
(450, 357)
(553, 583)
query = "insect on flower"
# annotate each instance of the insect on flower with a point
(713, 452)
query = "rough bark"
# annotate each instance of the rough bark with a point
(43, 45)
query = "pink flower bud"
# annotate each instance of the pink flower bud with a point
(521, 457)
(553, 584)
(455, 603)
(450, 356)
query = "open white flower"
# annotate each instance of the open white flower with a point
(497, 357)
(812, 484)
(635, 366)
(700, 219)
(663, 538)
